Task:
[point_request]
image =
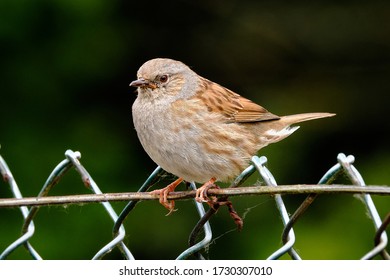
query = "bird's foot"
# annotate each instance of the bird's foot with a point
(163, 193)
(201, 193)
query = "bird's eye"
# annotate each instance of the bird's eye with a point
(163, 78)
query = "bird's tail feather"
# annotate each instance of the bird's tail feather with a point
(297, 118)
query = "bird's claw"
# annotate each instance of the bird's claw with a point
(201, 193)
(163, 196)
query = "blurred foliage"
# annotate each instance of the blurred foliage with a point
(65, 70)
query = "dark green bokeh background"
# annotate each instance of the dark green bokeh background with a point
(65, 69)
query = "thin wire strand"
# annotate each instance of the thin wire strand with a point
(152, 179)
(185, 195)
(329, 177)
(357, 179)
(208, 234)
(9, 178)
(270, 180)
(378, 234)
(89, 182)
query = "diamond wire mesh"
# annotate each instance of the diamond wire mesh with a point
(344, 166)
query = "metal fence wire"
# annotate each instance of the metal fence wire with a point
(29, 206)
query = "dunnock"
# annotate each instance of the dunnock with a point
(199, 130)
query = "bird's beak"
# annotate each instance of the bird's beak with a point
(141, 82)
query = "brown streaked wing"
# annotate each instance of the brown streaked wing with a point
(235, 107)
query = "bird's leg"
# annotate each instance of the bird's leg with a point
(201, 193)
(163, 193)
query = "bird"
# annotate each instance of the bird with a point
(199, 130)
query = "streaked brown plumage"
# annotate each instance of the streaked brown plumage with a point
(199, 130)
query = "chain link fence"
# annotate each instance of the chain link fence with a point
(29, 206)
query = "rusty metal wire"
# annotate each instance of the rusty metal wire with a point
(344, 166)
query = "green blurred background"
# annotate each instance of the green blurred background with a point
(65, 69)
